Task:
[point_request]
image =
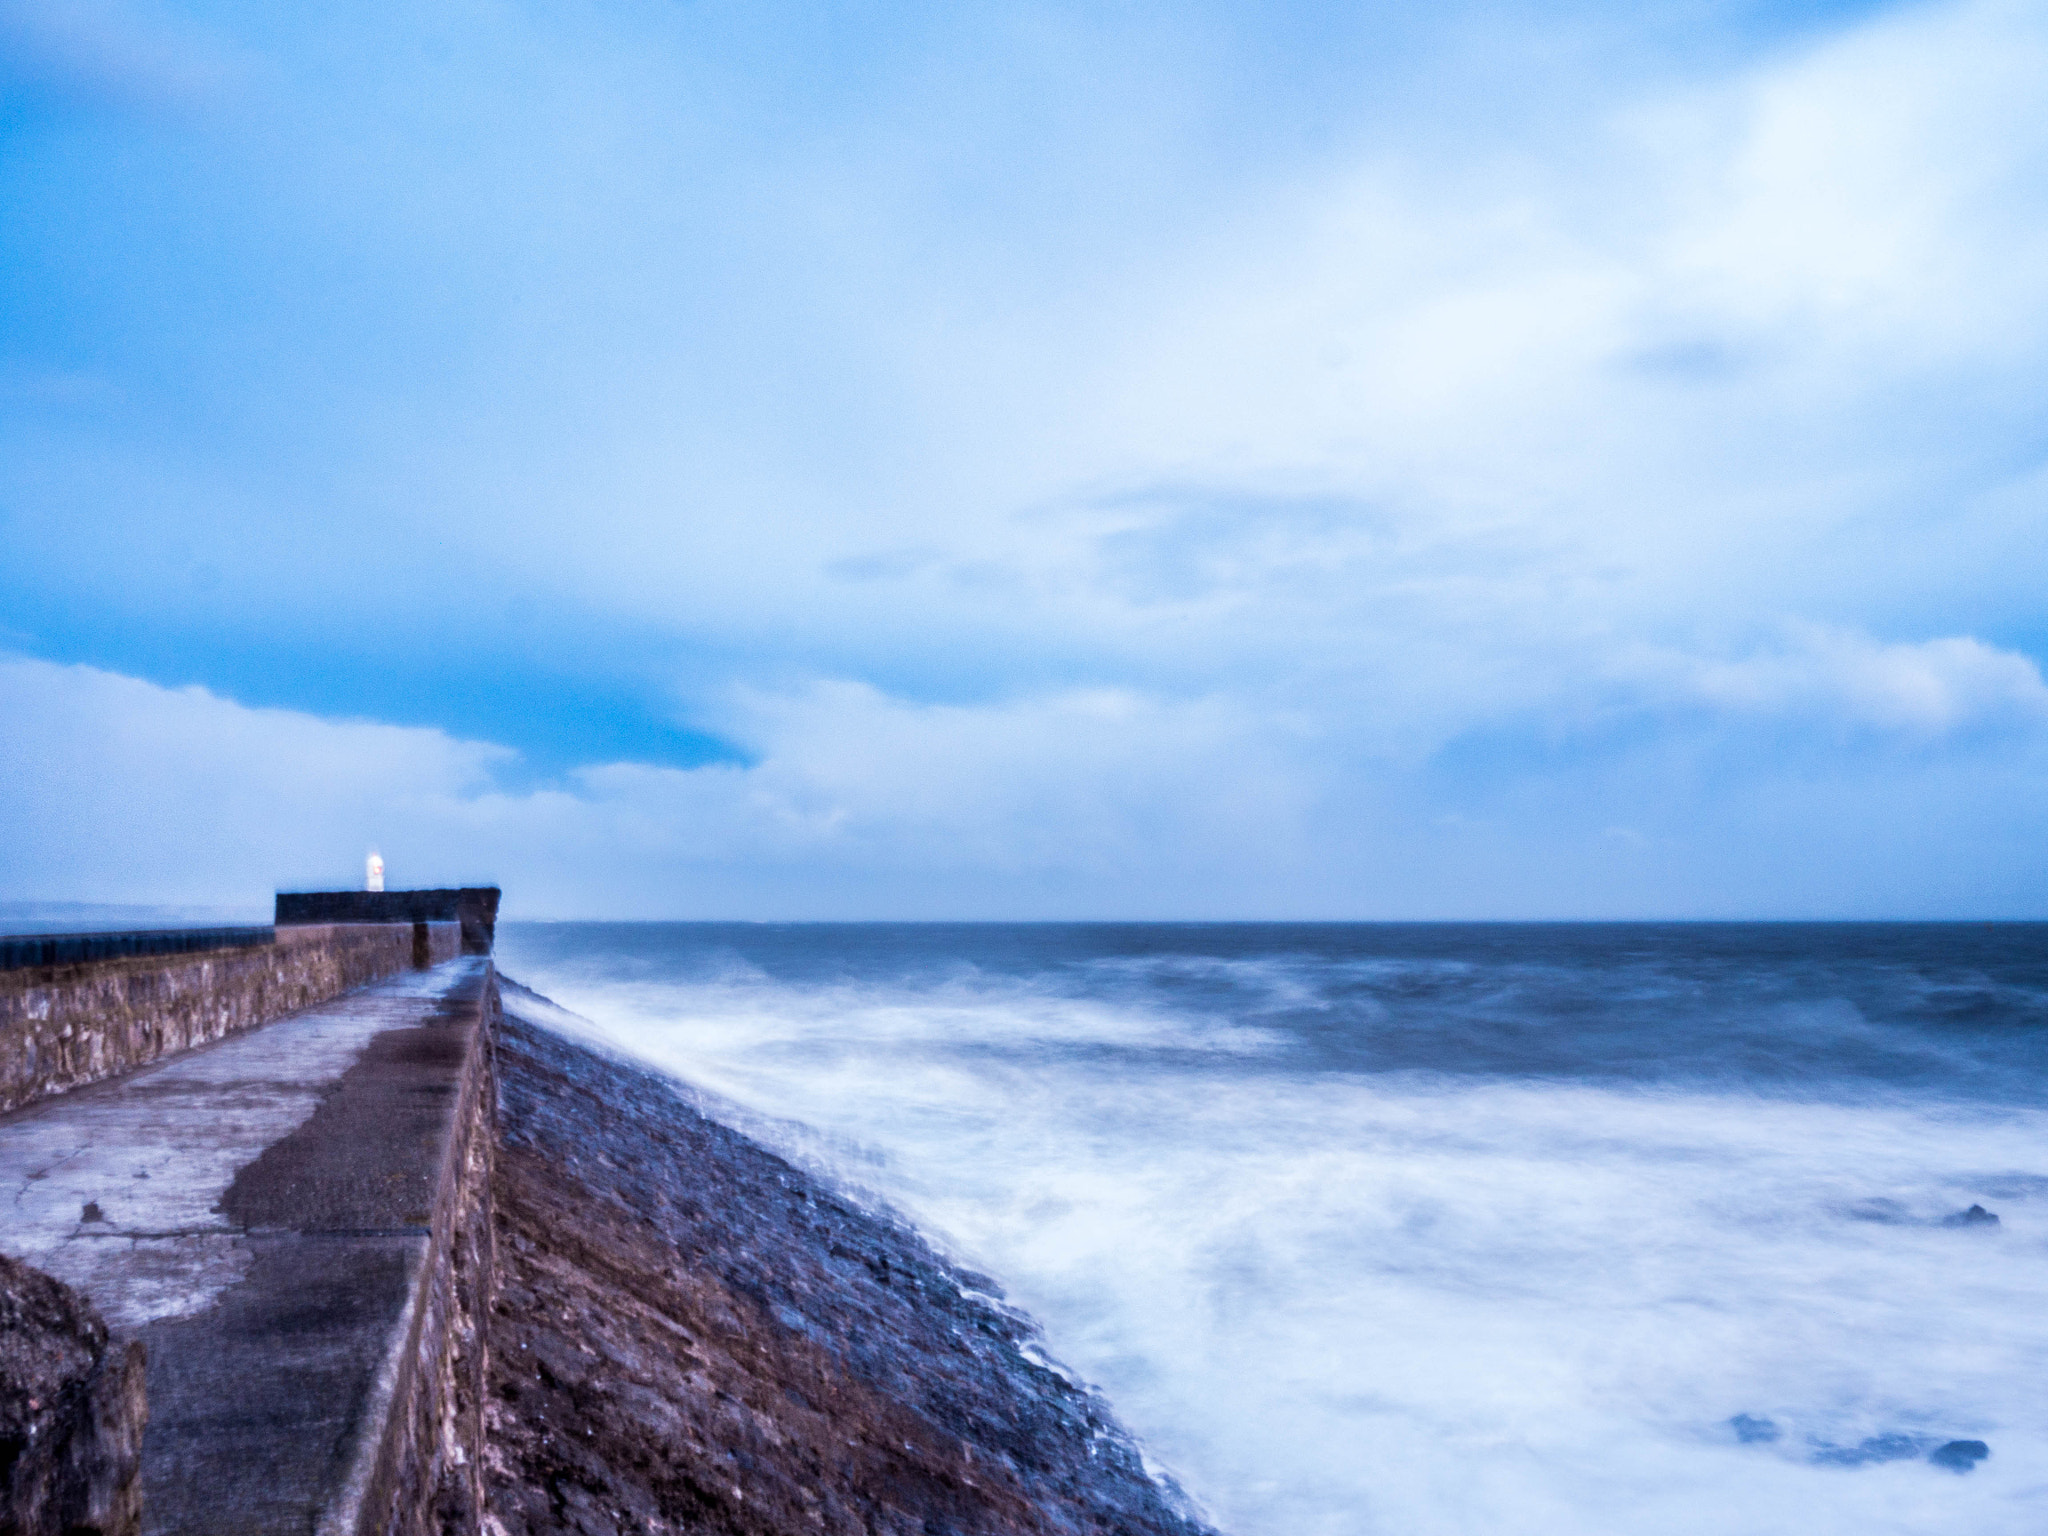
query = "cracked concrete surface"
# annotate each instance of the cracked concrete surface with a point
(151, 1154)
(256, 1211)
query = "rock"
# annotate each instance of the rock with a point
(1752, 1430)
(72, 1411)
(1959, 1455)
(1975, 1216)
(1876, 1448)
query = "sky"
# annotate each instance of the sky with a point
(680, 458)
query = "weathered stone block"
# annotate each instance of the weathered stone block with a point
(72, 1412)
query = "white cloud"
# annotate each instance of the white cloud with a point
(127, 791)
(1878, 191)
(1673, 363)
(118, 790)
(115, 51)
(1092, 781)
(1419, 447)
(1359, 500)
(1927, 689)
(1090, 803)
(1680, 370)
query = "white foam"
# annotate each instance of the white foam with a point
(1335, 1305)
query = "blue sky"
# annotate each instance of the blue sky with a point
(1110, 460)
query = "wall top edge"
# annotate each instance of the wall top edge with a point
(33, 951)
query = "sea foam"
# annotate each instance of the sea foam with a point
(1342, 1300)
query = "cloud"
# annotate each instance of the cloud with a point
(119, 790)
(124, 790)
(1079, 803)
(1096, 781)
(1721, 322)
(1061, 488)
(1928, 689)
(1871, 195)
(114, 53)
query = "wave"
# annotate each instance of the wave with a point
(1339, 1300)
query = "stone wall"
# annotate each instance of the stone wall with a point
(473, 906)
(397, 1161)
(692, 1334)
(422, 1475)
(497, 1281)
(64, 1026)
(28, 950)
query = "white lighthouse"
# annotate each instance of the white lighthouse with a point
(373, 872)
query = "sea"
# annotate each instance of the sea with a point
(1523, 1230)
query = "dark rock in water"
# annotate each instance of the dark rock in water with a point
(1891, 1213)
(693, 1335)
(72, 1411)
(1878, 1448)
(1975, 1216)
(1956, 1455)
(1752, 1430)
(1960, 1455)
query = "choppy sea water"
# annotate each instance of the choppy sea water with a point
(1496, 1229)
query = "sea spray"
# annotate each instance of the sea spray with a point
(1505, 1231)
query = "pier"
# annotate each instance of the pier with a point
(343, 1234)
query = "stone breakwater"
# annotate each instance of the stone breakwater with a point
(406, 1263)
(293, 1226)
(64, 1026)
(689, 1334)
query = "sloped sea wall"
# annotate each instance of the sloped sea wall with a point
(415, 1262)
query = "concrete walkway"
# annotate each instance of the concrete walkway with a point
(256, 1212)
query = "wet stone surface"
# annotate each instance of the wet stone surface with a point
(692, 1335)
(254, 1214)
